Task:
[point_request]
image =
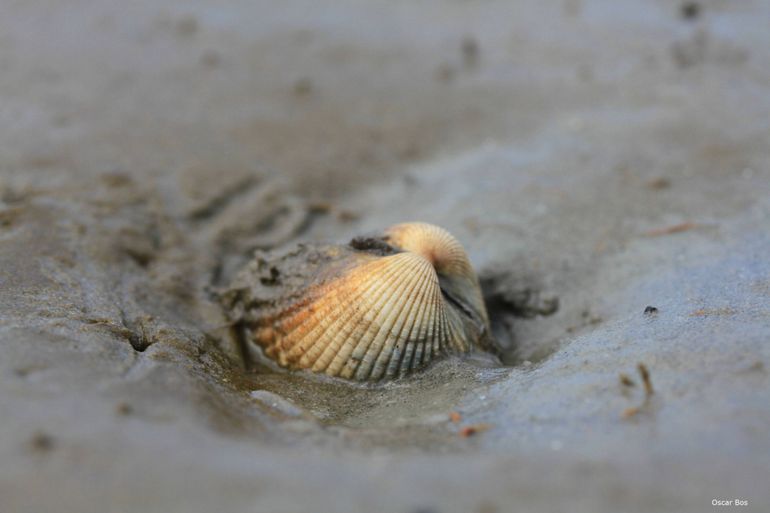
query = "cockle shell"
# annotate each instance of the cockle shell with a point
(376, 308)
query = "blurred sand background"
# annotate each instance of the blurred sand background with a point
(595, 158)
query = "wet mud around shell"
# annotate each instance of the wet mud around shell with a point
(148, 148)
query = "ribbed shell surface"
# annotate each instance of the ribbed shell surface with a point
(383, 317)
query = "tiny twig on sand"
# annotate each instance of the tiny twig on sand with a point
(626, 380)
(473, 429)
(707, 312)
(668, 230)
(644, 373)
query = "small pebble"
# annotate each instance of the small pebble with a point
(277, 403)
(124, 409)
(659, 183)
(42, 442)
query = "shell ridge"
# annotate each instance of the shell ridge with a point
(447, 321)
(329, 326)
(422, 342)
(414, 292)
(438, 341)
(431, 341)
(401, 290)
(299, 325)
(434, 342)
(311, 328)
(407, 320)
(265, 332)
(325, 321)
(292, 339)
(343, 334)
(456, 339)
(419, 347)
(405, 360)
(384, 320)
(395, 367)
(352, 357)
(284, 338)
(342, 360)
(401, 346)
(328, 307)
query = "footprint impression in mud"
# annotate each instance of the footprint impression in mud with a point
(376, 308)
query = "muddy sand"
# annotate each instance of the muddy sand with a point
(595, 158)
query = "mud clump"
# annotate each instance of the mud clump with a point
(510, 298)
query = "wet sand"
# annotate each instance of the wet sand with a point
(595, 158)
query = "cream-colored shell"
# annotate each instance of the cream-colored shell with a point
(380, 317)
